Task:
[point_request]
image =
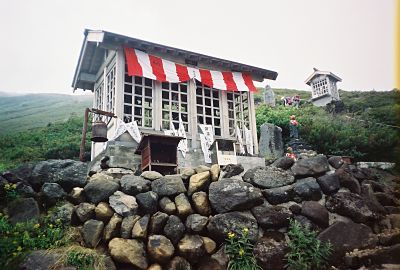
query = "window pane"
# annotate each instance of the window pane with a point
(138, 90)
(138, 111)
(199, 110)
(208, 111)
(165, 124)
(217, 122)
(148, 82)
(165, 115)
(175, 116)
(138, 100)
(147, 112)
(217, 132)
(215, 94)
(208, 120)
(128, 99)
(184, 117)
(199, 100)
(174, 86)
(183, 107)
(215, 102)
(165, 105)
(148, 122)
(207, 101)
(128, 88)
(183, 88)
(148, 92)
(200, 119)
(165, 94)
(183, 98)
(165, 85)
(138, 80)
(147, 102)
(128, 109)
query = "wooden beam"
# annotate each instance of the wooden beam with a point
(87, 77)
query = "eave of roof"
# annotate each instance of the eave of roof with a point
(103, 39)
(319, 72)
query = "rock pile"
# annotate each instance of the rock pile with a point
(153, 221)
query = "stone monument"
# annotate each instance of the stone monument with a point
(269, 96)
(271, 143)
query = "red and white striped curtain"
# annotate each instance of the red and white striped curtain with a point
(149, 66)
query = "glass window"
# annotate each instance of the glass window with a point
(238, 111)
(174, 104)
(208, 100)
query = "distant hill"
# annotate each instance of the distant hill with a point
(24, 112)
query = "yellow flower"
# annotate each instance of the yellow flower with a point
(245, 230)
(14, 254)
(231, 235)
(7, 186)
(51, 226)
(241, 252)
(14, 186)
(58, 221)
(19, 248)
(36, 226)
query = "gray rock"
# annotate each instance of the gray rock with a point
(232, 170)
(167, 206)
(196, 223)
(77, 195)
(314, 166)
(127, 226)
(124, 205)
(386, 199)
(85, 211)
(39, 260)
(248, 176)
(385, 257)
(336, 162)
(133, 185)
(148, 202)
(271, 177)
(22, 210)
(237, 195)
(271, 143)
(113, 228)
(344, 237)
(183, 205)
(100, 190)
(151, 175)
(307, 189)
(316, 213)
(174, 229)
(52, 192)
(198, 181)
(219, 225)
(192, 248)
(278, 195)
(201, 203)
(329, 183)
(160, 248)
(103, 212)
(202, 168)
(348, 181)
(186, 173)
(350, 205)
(168, 186)
(178, 263)
(270, 254)
(25, 190)
(284, 163)
(221, 257)
(370, 199)
(157, 222)
(63, 213)
(67, 173)
(128, 251)
(91, 232)
(140, 228)
(271, 217)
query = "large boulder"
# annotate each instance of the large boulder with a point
(348, 181)
(196, 223)
(192, 248)
(160, 248)
(279, 195)
(39, 259)
(314, 166)
(103, 212)
(201, 203)
(167, 206)
(271, 177)
(148, 202)
(63, 213)
(132, 185)
(174, 229)
(232, 170)
(219, 225)
(99, 190)
(284, 163)
(91, 232)
(350, 205)
(249, 174)
(52, 192)
(270, 254)
(214, 172)
(22, 210)
(336, 161)
(183, 205)
(168, 186)
(271, 217)
(77, 195)
(127, 226)
(198, 181)
(129, 251)
(178, 263)
(124, 205)
(157, 222)
(67, 173)
(113, 228)
(228, 195)
(344, 237)
(307, 189)
(186, 173)
(151, 175)
(85, 211)
(316, 213)
(140, 229)
(329, 183)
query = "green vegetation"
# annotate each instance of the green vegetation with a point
(240, 251)
(306, 252)
(24, 112)
(80, 260)
(358, 133)
(55, 141)
(16, 240)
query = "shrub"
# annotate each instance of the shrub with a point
(306, 252)
(17, 239)
(80, 260)
(240, 251)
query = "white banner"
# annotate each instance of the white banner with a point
(206, 139)
(249, 141)
(131, 127)
(183, 145)
(240, 141)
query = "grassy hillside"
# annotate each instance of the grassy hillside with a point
(23, 112)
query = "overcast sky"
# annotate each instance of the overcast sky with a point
(354, 39)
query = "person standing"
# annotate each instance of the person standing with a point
(294, 127)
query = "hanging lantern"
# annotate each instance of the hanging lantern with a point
(99, 132)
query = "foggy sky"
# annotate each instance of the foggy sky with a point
(354, 39)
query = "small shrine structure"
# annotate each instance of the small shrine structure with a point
(323, 87)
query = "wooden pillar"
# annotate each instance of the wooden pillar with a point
(192, 113)
(253, 125)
